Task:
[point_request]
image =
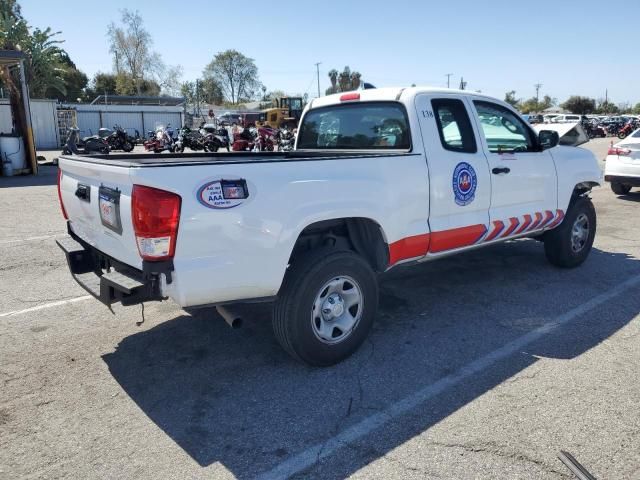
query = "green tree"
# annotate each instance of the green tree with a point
(579, 105)
(534, 105)
(606, 107)
(236, 74)
(510, 98)
(75, 82)
(208, 91)
(636, 109)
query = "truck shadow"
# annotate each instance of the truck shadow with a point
(236, 398)
(633, 196)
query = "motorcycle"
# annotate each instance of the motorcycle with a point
(612, 128)
(626, 130)
(119, 140)
(215, 137)
(267, 139)
(245, 140)
(93, 144)
(190, 139)
(594, 131)
(160, 142)
(286, 139)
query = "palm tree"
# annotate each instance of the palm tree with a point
(333, 76)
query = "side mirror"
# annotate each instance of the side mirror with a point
(548, 139)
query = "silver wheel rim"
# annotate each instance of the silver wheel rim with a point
(337, 309)
(579, 233)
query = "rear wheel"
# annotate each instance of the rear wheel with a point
(569, 244)
(620, 188)
(326, 307)
(127, 146)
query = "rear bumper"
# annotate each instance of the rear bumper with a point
(107, 279)
(633, 181)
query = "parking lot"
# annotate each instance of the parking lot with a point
(483, 365)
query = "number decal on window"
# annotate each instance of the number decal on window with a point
(427, 113)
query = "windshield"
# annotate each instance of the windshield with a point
(356, 126)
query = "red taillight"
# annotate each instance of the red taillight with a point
(619, 151)
(349, 96)
(64, 211)
(155, 214)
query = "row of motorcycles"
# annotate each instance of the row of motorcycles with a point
(105, 141)
(611, 128)
(211, 138)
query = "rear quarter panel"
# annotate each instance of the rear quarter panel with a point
(242, 252)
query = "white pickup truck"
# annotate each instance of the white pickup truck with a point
(378, 178)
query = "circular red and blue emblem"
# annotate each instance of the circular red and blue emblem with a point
(465, 182)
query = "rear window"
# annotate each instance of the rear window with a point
(356, 126)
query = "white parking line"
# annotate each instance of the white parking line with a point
(44, 306)
(308, 457)
(31, 239)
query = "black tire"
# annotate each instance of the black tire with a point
(620, 188)
(558, 243)
(303, 284)
(622, 135)
(127, 146)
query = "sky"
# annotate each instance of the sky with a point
(570, 47)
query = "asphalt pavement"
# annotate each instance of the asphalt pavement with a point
(483, 365)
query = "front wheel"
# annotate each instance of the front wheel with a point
(622, 135)
(326, 306)
(569, 244)
(620, 188)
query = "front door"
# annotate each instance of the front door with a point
(524, 190)
(459, 183)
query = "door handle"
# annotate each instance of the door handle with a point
(499, 170)
(83, 192)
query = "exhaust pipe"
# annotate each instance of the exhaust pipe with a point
(233, 319)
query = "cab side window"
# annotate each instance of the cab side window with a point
(504, 130)
(454, 126)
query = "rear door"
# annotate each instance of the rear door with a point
(524, 189)
(459, 183)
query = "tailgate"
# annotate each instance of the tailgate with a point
(97, 199)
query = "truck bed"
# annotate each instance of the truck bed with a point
(137, 160)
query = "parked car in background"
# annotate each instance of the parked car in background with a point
(567, 118)
(622, 165)
(534, 119)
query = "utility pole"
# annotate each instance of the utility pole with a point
(463, 84)
(197, 106)
(318, 74)
(448, 75)
(538, 86)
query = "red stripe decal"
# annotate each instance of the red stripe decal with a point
(548, 216)
(498, 226)
(514, 223)
(558, 220)
(527, 222)
(410, 247)
(536, 222)
(456, 238)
